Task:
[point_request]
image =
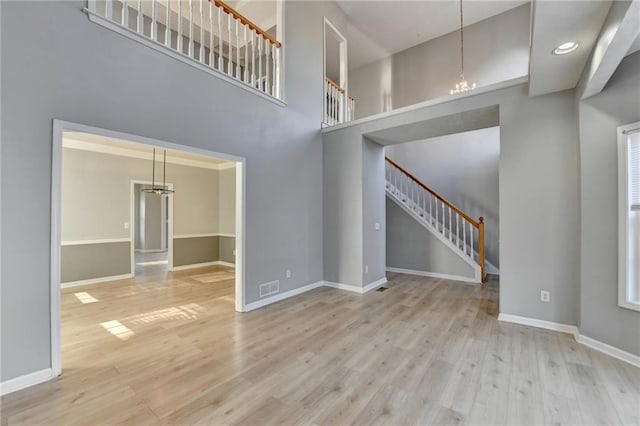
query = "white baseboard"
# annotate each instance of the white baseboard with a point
(151, 251)
(374, 285)
(609, 350)
(345, 287)
(433, 275)
(96, 280)
(281, 296)
(548, 325)
(580, 338)
(203, 265)
(25, 381)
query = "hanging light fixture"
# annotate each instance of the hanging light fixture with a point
(462, 86)
(160, 190)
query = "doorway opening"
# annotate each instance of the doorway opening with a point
(122, 239)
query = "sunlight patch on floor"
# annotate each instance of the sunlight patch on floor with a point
(118, 329)
(85, 297)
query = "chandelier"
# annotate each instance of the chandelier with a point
(463, 85)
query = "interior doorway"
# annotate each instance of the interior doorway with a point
(188, 256)
(151, 229)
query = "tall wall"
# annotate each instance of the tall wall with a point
(429, 70)
(463, 168)
(539, 208)
(63, 66)
(618, 104)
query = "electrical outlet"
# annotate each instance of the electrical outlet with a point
(288, 273)
(234, 252)
(366, 269)
(377, 226)
(126, 225)
(545, 296)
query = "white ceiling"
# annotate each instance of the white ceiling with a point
(393, 26)
(556, 22)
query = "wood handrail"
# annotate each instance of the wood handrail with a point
(435, 194)
(335, 85)
(247, 22)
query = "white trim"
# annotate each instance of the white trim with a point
(203, 265)
(71, 143)
(21, 382)
(623, 218)
(432, 102)
(95, 18)
(59, 127)
(548, 325)
(346, 287)
(609, 350)
(150, 251)
(281, 296)
(433, 275)
(213, 234)
(374, 285)
(96, 280)
(102, 241)
(474, 265)
(580, 338)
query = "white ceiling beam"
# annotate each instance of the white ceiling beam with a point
(618, 33)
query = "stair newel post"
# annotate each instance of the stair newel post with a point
(481, 249)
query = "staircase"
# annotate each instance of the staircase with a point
(456, 229)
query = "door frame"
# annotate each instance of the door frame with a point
(59, 128)
(133, 218)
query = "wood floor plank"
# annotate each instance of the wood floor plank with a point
(168, 348)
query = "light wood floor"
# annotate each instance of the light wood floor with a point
(425, 351)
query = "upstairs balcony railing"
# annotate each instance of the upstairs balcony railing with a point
(207, 31)
(340, 107)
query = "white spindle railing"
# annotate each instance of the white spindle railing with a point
(437, 213)
(216, 36)
(339, 108)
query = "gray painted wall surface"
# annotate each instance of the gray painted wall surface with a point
(87, 261)
(539, 209)
(190, 251)
(227, 201)
(463, 168)
(600, 316)
(411, 246)
(96, 196)
(226, 247)
(373, 202)
(431, 69)
(85, 83)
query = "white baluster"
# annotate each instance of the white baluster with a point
(201, 54)
(464, 236)
(191, 45)
(267, 51)
(443, 218)
(253, 59)
(430, 209)
(457, 230)
(221, 46)
(277, 74)
(230, 49)
(124, 18)
(153, 30)
(436, 205)
(140, 25)
(167, 29)
(450, 226)
(211, 43)
(273, 70)
(245, 74)
(238, 76)
(108, 9)
(471, 240)
(260, 39)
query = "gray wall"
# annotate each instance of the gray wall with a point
(600, 316)
(373, 201)
(84, 82)
(463, 168)
(539, 209)
(496, 49)
(227, 201)
(96, 195)
(410, 246)
(195, 250)
(87, 261)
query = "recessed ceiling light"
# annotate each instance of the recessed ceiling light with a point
(565, 48)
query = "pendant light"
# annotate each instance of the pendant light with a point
(160, 190)
(462, 86)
